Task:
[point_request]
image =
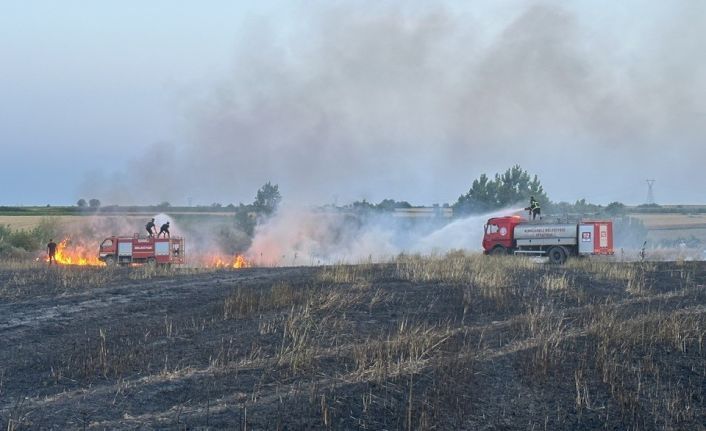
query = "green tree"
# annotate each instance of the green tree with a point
(391, 205)
(94, 203)
(244, 221)
(82, 203)
(480, 198)
(615, 208)
(513, 187)
(362, 206)
(582, 206)
(267, 199)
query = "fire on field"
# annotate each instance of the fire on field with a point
(78, 253)
(93, 241)
(68, 253)
(236, 262)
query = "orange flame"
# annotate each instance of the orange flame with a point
(238, 261)
(75, 254)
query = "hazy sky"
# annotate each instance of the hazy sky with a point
(141, 102)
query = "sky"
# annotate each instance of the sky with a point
(143, 102)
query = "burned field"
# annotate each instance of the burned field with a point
(419, 343)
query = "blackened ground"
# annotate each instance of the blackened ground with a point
(446, 343)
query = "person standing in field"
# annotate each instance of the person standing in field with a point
(51, 251)
(151, 228)
(164, 230)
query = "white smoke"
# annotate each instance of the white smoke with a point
(208, 238)
(297, 236)
(462, 234)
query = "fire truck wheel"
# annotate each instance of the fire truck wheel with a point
(151, 262)
(110, 261)
(499, 251)
(556, 255)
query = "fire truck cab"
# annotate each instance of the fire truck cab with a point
(498, 234)
(125, 250)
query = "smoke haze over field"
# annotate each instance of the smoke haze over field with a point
(302, 237)
(354, 100)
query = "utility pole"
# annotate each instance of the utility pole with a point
(650, 192)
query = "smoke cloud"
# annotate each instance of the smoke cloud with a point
(375, 101)
(295, 236)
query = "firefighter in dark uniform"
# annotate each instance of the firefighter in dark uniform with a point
(51, 251)
(530, 207)
(151, 228)
(164, 230)
(535, 209)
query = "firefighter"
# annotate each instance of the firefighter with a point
(164, 230)
(530, 207)
(535, 208)
(51, 251)
(151, 228)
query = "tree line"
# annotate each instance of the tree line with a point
(515, 186)
(91, 203)
(486, 194)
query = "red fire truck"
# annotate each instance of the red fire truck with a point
(558, 241)
(125, 250)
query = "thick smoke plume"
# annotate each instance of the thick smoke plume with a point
(374, 101)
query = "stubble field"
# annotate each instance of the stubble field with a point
(449, 342)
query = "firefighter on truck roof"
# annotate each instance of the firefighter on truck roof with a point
(164, 230)
(529, 208)
(534, 208)
(151, 228)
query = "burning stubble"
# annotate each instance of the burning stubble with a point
(209, 242)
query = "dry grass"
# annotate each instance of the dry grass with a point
(640, 361)
(459, 267)
(547, 329)
(670, 220)
(555, 282)
(347, 273)
(24, 222)
(609, 271)
(24, 281)
(245, 302)
(406, 350)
